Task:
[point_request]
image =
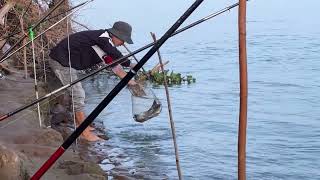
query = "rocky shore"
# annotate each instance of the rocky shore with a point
(24, 146)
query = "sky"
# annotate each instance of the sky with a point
(157, 16)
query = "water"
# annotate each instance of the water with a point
(283, 140)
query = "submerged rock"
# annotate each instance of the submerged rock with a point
(59, 114)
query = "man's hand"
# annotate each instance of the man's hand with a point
(132, 83)
(136, 89)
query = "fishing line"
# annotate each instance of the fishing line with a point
(70, 73)
(65, 12)
(94, 114)
(120, 60)
(136, 59)
(145, 104)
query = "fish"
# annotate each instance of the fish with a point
(154, 111)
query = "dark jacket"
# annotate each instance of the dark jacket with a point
(82, 54)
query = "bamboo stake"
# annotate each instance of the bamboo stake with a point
(243, 91)
(42, 49)
(170, 111)
(157, 67)
(43, 60)
(31, 33)
(24, 49)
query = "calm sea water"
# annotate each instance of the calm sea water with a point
(283, 140)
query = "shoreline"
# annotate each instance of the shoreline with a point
(24, 146)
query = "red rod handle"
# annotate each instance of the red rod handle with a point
(48, 163)
(3, 117)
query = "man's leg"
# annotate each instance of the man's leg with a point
(63, 73)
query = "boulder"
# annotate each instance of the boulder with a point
(11, 165)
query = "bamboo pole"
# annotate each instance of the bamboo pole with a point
(31, 34)
(170, 111)
(243, 91)
(70, 73)
(42, 49)
(24, 49)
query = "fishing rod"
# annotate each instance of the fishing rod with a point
(135, 58)
(43, 169)
(120, 60)
(22, 16)
(47, 19)
(33, 27)
(74, 7)
(8, 56)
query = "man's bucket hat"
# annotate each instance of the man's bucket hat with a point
(122, 30)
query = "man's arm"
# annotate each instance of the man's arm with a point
(132, 65)
(118, 70)
(112, 54)
(111, 51)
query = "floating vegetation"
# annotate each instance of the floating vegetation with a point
(172, 78)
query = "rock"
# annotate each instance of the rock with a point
(59, 114)
(45, 137)
(123, 177)
(11, 166)
(90, 177)
(75, 168)
(64, 130)
(49, 137)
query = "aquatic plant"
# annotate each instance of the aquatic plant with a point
(171, 77)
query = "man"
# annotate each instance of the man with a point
(88, 48)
